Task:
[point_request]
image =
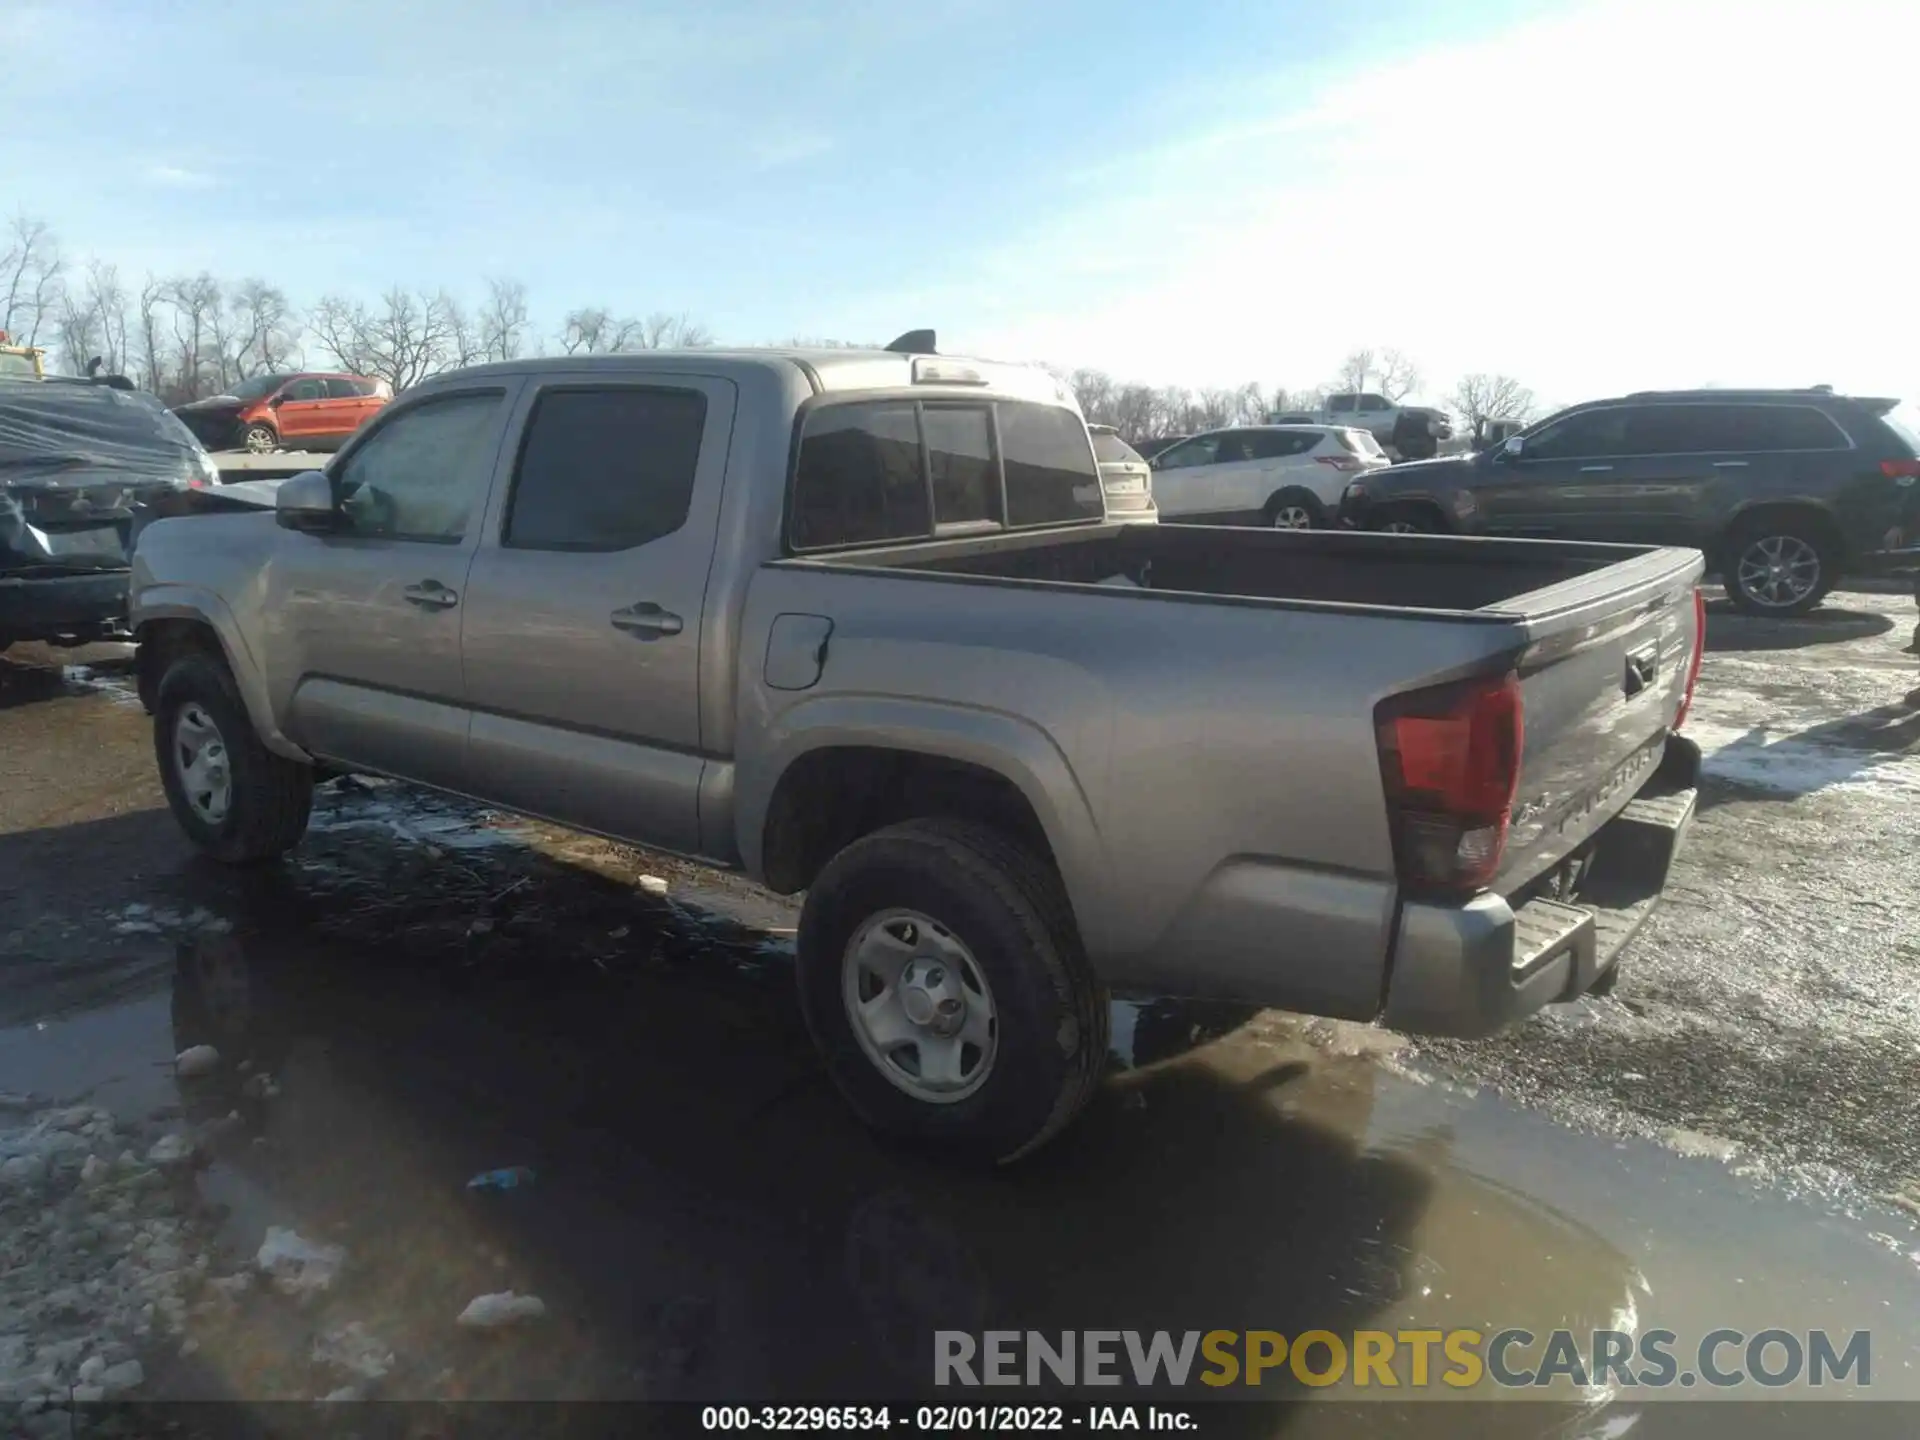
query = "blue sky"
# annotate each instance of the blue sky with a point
(1585, 194)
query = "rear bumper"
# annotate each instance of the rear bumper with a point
(1470, 969)
(90, 606)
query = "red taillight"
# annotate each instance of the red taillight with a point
(1450, 760)
(1339, 462)
(1896, 469)
(1693, 661)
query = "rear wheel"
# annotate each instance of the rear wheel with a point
(1780, 566)
(259, 439)
(236, 799)
(1294, 510)
(943, 980)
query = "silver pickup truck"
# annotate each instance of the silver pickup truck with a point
(857, 623)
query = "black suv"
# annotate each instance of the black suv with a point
(1785, 490)
(77, 457)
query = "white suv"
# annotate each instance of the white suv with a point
(1287, 476)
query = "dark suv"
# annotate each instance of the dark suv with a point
(1785, 490)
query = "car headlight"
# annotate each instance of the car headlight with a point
(205, 469)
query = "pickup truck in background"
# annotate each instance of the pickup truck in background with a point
(1406, 432)
(858, 624)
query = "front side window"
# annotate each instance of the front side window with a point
(420, 475)
(307, 389)
(1591, 434)
(1202, 450)
(605, 469)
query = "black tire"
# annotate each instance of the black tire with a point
(259, 438)
(1408, 519)
(270, 796)
(1294, 502)
(1006, 905)
(1796, 536)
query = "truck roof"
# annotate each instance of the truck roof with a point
(827, 370)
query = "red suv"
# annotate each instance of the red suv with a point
(310, 410)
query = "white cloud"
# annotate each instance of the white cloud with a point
(1632, 194)
(176, 177)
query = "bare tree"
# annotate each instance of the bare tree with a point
(265, 330)
(1250, 404)
(93, 320)
(409, 336)
(464, 345)
(1094, 389)
(1480, 397)
(661, 331)
(196, 304)
(153, 295)
(1355, 371)
(1399, 376)
(340, 326)
(30, 273)
(1216, 408)
(503, 323)
(593, 330)
(1135, 411)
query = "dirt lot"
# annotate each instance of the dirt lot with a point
(427, 992)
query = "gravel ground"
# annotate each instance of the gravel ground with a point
(1769, 1012)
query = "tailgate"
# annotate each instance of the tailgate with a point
(1602, 678)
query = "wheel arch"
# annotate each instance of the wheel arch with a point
(845, 766)
(173, 619)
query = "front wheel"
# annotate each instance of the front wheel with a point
(942, 978)
(1294, 510)
(236, 799)
(1781, 567)
(259, 439)
(1407, 520)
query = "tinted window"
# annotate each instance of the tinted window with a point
(419, 476)
(859, 479)
(1794, 427)
(343, 390)
(1338, 403)
(966, 482)
(1201, 450)
(1235, 447)
(605, 469)
(1112, 450)
(1590, 434)
(1278, 444)
(309, 389)
(1375, 402)
(1050, 471)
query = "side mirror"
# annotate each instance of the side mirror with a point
(277, 401)
(305, 502)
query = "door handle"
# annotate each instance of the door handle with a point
(1729, 464)
(431, 595)
(646, 620)
(1595, 469)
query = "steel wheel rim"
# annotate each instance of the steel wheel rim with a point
(1778, 570)
(200, 764)
(920, 1006)
(1292, 517)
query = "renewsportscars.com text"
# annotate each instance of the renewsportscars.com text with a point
(1402, 1359)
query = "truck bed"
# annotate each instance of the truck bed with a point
(1319, 568)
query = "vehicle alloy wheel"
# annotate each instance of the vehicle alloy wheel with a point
(260, 440)
(1292, 517)
(200, 761)
(920, 1006)
(1778, 572)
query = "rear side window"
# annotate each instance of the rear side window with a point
(605, 469)
(859, 481)
(1794, 427)
(343, 390)
(1112, 450)
(1712, 429)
